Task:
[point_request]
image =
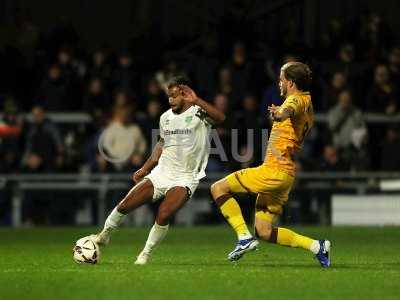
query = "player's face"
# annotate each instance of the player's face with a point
(175, 99)
(283, 83)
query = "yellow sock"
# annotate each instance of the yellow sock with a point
(290, 238)
(232, 213)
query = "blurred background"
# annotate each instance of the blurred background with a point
(71, 69)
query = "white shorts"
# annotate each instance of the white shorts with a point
(163, 181)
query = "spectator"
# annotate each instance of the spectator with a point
(123, 98)
(10, 139)
(331, 161)
(390, 158)
(99, 68)
(346, 63)
(306, 156)
(225, 85)
(27, 36)
(151, 119)
(241, 72)
(344, 119)
(333, 36)
(206, 66)
(382, 96)
(70, 70)
(53, 92)
(249, 118)
(394, 65)
(374, 36)
(95, 161)
(96, 98)
(66, 65)
(171, 69)
(221, 102)
(358, 153)
(44, 147)
(123, 140)
(154, 92)
(124, 76)
(272, 94)
(338, 83)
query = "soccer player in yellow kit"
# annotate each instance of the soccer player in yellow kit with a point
(273, 180)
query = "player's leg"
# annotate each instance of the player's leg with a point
(283, 236)
(137, 196)
(175, 198)
(267, 210)
(243, 181)
(223, 196)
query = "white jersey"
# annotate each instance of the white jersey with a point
(186, 142)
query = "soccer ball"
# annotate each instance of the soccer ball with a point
(86, 251)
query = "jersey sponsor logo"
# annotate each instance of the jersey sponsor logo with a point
(177, 131)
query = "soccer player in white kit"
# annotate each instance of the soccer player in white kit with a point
(174, 168)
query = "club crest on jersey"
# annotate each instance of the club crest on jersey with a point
(188, 119)
(166, 121)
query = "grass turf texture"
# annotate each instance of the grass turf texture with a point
(191, 264)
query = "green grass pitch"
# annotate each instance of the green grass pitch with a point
(191, 264)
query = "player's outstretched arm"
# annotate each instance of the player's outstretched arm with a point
(280, 115)
(150, 163)
(214, 114)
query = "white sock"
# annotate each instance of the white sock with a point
(113, 220)
(245, 236)
(314, 248)
(156, 235)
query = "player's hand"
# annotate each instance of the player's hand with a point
(188, 94)
(273, 110)
(139, 174)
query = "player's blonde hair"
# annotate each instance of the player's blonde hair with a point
(299, 73)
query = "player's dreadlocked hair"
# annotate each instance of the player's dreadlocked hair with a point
(299, 73)
(178, 80)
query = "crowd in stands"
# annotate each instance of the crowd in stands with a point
(356, 70)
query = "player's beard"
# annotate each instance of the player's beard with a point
(178, 109)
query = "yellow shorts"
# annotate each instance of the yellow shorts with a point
(271, 186)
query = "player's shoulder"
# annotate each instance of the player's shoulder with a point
(303, 99)
(202, 115)
(295, 98)
(166, 114)
(196, 109)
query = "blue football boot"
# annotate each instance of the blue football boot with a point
(242, 247)
(323, 254)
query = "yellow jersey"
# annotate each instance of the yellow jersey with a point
(287, 137)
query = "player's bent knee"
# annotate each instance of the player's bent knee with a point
(163, 216)
(263, 234)
(264, 231)
(219, 188)
(220, 195)
(214, 189)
